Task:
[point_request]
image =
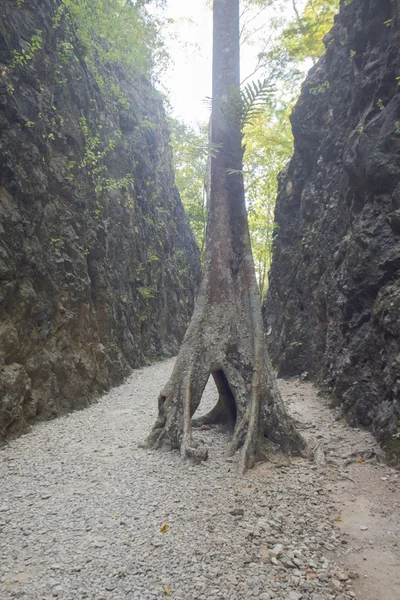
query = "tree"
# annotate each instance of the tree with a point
(113, 33)
(269, 147)
(303, 37)
(225, 337)
(287, 46)
(291, 45)
(190, 163)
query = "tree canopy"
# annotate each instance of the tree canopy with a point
(286, 50)
(114, 33)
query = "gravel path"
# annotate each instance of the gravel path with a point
(86, 513)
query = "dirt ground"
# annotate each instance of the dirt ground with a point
(365, 491)
(86, 514)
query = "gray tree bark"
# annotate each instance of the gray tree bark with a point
(225, 337)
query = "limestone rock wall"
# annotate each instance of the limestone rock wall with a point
(98, 266)
(333, 307)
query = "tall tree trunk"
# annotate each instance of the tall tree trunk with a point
(225, 337)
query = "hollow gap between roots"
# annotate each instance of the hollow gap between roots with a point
(226, 397)
(225, 411)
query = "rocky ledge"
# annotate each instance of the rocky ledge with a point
(333, 308)
(98, 266)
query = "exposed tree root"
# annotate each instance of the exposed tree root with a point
(249, 403)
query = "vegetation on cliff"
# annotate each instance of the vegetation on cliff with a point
(98, 264)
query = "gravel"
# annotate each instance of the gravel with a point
(86, 513)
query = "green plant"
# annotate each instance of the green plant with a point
(380, 104)
(65, 53)
(21, 59)
(109, 33)
(146, 292)
(111, 183)
(58, 15)
(253, 97)
(397, 127)
(112, 32)
(295, 344)
(97, 149)
(303, 36)
(320, 89)
(396, 436)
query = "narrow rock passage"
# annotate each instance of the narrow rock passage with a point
(82, 510)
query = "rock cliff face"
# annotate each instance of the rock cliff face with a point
(98, 266)
(333, 307)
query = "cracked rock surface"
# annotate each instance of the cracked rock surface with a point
(333, 306)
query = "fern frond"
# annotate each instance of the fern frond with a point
(234, 172)
(253, 96)
(205, 150)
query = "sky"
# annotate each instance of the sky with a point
(189, 42)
